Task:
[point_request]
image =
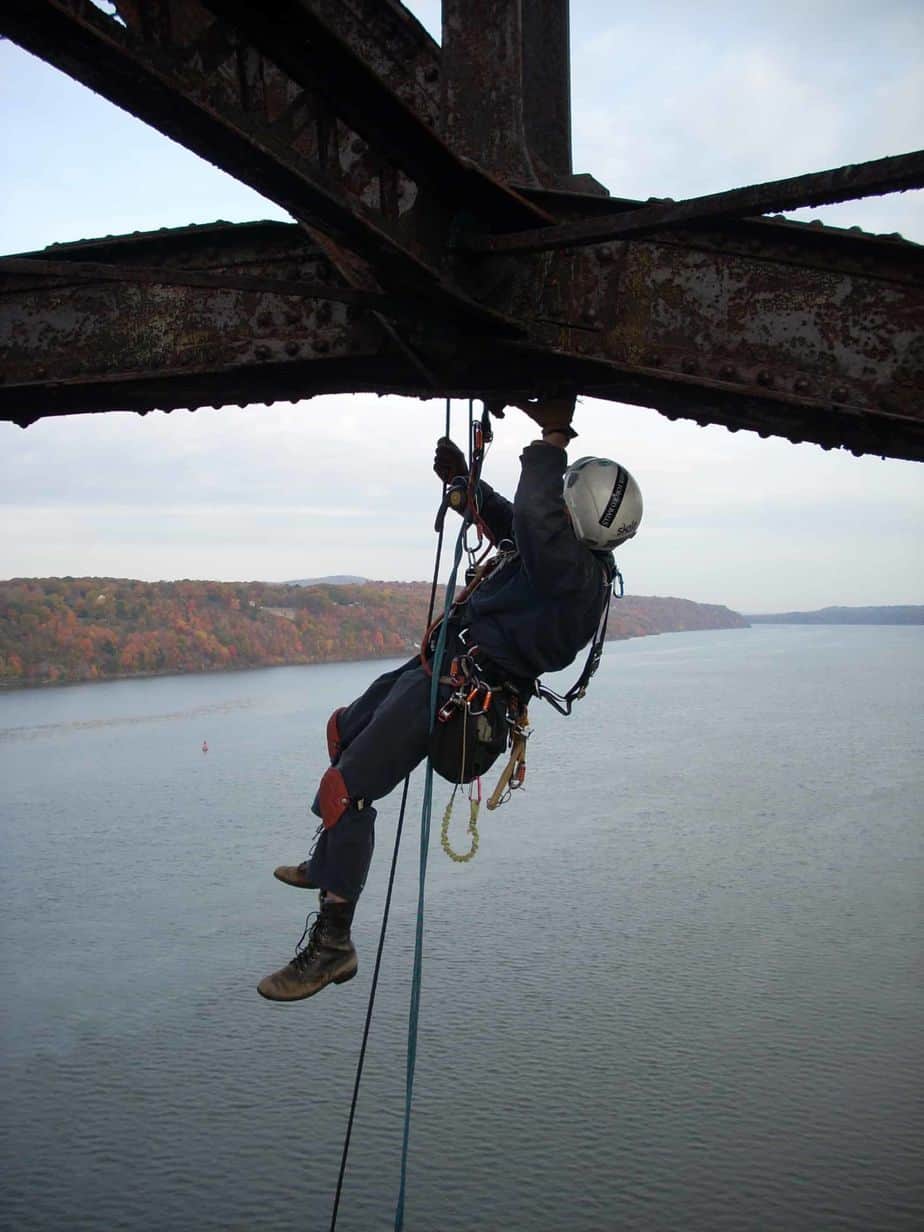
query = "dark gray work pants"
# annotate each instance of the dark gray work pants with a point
(384, 734)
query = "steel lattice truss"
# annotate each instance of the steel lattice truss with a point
(440, 242)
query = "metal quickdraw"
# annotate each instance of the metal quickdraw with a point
(469, 689)
(470, 731)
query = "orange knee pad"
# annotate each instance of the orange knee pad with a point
(333, 734)
(333, 797)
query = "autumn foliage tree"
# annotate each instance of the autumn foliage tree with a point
(66, 629)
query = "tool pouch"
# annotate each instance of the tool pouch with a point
(467, 745)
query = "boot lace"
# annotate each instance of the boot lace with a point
(305, 950)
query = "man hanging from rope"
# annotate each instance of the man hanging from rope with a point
(533, 613)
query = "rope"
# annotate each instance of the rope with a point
(375, 981)
(511, 778)
(425, 815)
(388, 893)
(439, 541)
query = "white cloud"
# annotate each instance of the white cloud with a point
(666, 104)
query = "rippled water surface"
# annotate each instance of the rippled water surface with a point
(678, 988)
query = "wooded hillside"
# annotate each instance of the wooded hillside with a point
(66, 629)
(896, 615)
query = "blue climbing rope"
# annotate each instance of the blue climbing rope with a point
(475, 458)
(425, 815)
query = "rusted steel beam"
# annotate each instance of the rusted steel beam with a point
(821, 329)
(313, 54)
(195, 80)
(391, 41)
(202, 316)
(37, 270)
(810, 334)
(884, 175)
(220, 115)
(385, 35)
(127, 345)
(506, 86)
(797, 419)
(482, 64)
(547, 87)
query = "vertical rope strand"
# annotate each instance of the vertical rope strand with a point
(387, 908)
(425, 815)
(439, 541)
(375, 981)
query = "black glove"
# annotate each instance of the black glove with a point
(449, 460)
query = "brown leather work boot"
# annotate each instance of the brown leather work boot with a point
(295, 875)
(328, 958)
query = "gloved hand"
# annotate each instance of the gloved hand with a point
(552, 414)
(449, 460)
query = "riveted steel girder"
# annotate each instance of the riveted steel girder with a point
(200, 316)
(897, 173)
(506, 86)
(786, 329)
(808, 332)
(280, 125)
(415, 270)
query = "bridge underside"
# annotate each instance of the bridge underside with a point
(411, 268)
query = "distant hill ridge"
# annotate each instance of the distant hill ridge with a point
(334, 579)
(67, 629)
(897, 615)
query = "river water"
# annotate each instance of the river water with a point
(678, 988)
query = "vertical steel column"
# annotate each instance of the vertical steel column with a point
(506, 87)
(547, 86)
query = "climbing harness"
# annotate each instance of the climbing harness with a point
(564, 702)
(471, 729)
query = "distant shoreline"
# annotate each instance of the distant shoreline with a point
(28, 685)
(75, 630)
(896, 614)
(17, 685)
(230, 669)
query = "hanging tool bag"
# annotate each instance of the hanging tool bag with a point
(463, 745)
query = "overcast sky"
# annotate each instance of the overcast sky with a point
(668, 100)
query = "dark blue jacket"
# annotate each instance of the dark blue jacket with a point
(535, 613)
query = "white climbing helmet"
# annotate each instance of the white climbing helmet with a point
(604, 501)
